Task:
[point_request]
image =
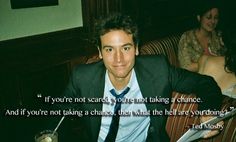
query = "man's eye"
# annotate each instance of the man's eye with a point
(126, 48)
(108, 49)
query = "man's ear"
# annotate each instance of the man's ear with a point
(198, 18)
(100, 53)
(136, 50)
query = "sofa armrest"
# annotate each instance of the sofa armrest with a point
(176, 126)
(229, 132)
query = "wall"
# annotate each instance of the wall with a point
(17, 23)
(159, 18)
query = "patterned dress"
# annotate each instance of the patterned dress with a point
(190, 50)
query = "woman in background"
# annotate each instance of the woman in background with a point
(204, 40)
(222, 69)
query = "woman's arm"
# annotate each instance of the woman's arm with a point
(184, 55)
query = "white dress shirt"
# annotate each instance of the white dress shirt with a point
(132, 127)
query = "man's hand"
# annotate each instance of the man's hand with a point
(214, 131)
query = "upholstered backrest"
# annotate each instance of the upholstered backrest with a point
(93, 58)
(167, 46)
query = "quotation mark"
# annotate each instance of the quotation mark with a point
(231, 108)
(39, 95)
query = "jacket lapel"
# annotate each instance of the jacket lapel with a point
(145, 81)
(148, 86)
(97, 91)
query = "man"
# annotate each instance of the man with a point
(123, 75)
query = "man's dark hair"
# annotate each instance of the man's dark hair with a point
(115, 22)
(230, 55)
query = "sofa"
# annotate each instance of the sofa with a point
(176, 126)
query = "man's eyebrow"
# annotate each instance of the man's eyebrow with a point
(107, 46)
(127, 44)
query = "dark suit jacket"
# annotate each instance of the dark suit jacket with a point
(155, 78)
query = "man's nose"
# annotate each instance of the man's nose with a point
(119, 56)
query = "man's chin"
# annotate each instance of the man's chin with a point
(121, 75)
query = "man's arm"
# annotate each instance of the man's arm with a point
(203, 86)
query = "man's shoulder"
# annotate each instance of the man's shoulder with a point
(152, 62)
(88, 66)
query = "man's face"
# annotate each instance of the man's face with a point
(118, 53)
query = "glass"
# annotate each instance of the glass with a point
(46, 136)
